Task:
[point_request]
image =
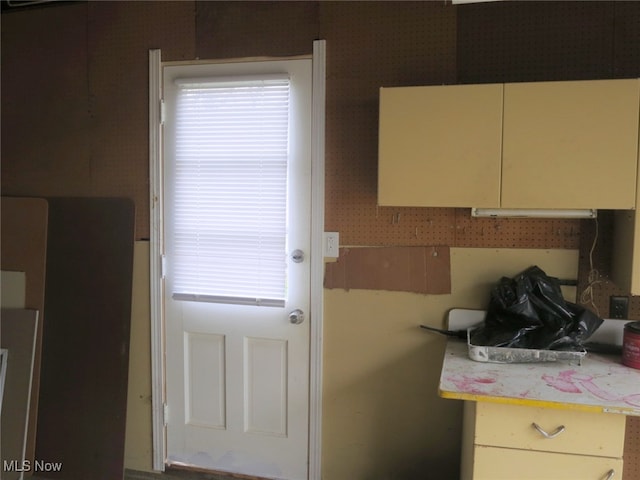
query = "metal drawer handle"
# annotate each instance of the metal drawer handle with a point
(610, 474)
(545, 434)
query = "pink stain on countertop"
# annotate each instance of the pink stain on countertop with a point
(470, 384)
(562, 382)
(570, 381)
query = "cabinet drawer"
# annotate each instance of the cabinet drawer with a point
(492, 463)
(584, 433)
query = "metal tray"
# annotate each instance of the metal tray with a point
(484, 353)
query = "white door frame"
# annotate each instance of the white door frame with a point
(158, 390)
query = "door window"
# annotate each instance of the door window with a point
(230, 189)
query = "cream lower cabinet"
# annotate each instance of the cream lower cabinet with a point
(501, 463)
(501, 441)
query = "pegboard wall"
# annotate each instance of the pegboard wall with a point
(598, 287)
(455, 227)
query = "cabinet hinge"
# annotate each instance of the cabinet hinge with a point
(165, 414)
(163, 113)
(163, 266)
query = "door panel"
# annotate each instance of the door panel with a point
(205, 395)
(265, 386)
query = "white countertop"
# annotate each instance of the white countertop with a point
(601, 383)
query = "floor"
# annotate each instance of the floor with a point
(175, 474)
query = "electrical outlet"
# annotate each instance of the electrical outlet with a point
(618, 307)
(331, 244)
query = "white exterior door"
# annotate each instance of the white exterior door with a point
(237, 367)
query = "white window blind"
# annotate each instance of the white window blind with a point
(230, 190)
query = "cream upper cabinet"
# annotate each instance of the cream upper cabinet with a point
(625, 254)
(570, 144)
(516, 145)
(440, 146)
(625, 268)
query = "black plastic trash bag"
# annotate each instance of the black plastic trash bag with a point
(529, 311)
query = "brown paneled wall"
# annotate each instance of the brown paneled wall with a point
(75, 94)
(531, 41)
(246, 29)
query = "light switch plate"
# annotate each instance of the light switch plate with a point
(331, 244)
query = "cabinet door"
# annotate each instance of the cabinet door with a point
(570, 144)
(625, 254)
(491, 463)
(440, 146)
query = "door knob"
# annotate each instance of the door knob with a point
(296, 317)
(297, 256)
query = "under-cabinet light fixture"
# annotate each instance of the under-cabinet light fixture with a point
(459, 2)
(534, 213)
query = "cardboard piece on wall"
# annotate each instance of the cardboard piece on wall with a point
(404, 269)
(18, 329)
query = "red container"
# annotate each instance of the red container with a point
(631, 345)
